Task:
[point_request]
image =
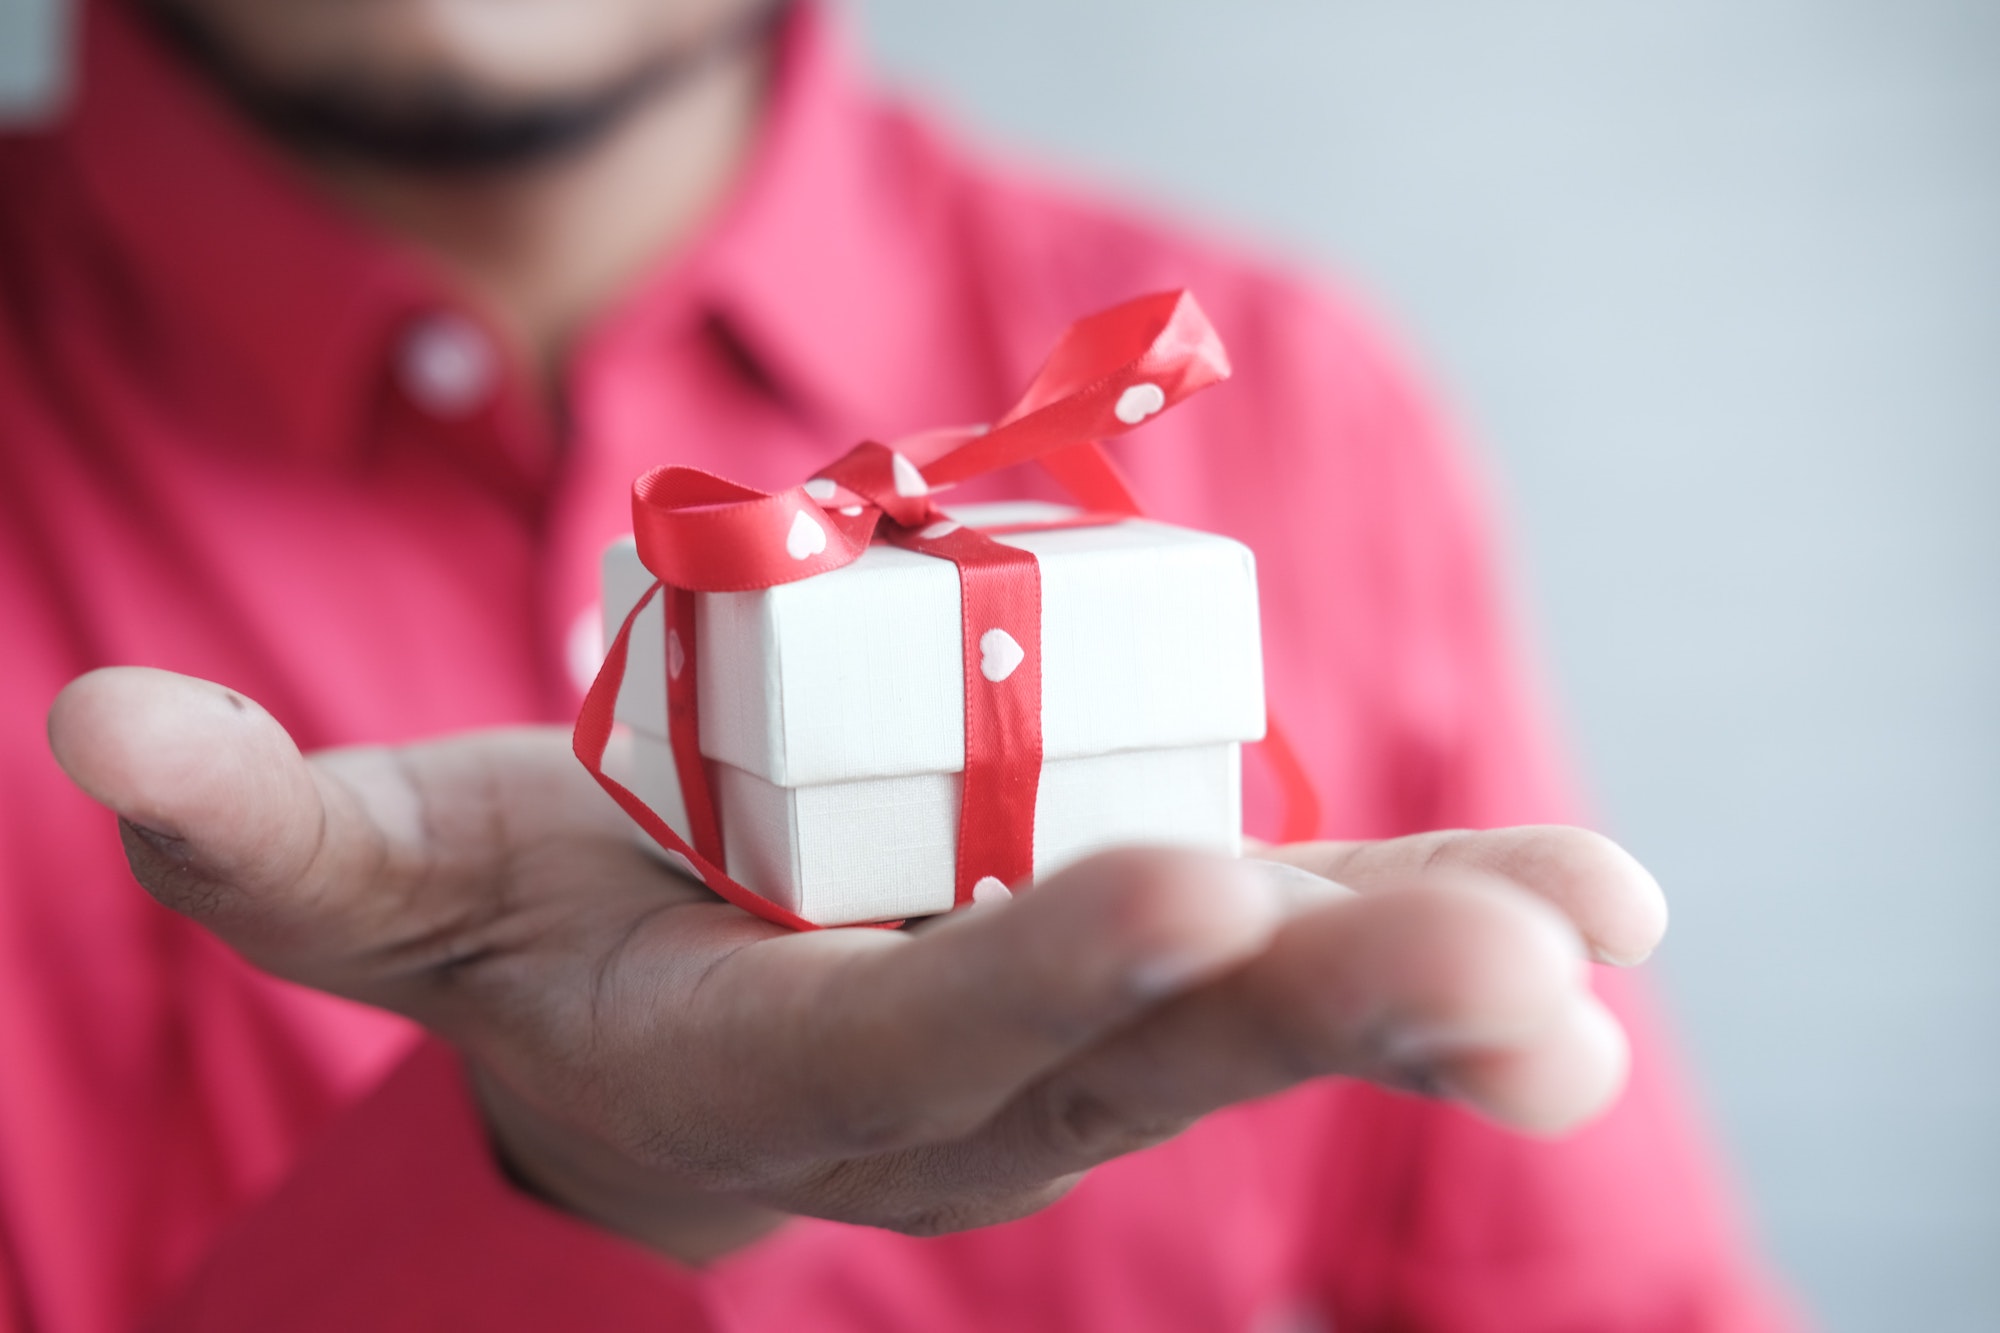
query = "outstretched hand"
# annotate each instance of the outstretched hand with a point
(679, 1071)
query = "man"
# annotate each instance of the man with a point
(331, 336)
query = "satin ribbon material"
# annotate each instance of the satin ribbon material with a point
(697, 532)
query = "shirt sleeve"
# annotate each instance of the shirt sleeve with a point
(400, 1219)
(1628, 1226)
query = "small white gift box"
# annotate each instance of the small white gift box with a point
(832, 721)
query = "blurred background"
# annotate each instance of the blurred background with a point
(1716, 287)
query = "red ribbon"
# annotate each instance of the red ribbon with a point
(697, 532)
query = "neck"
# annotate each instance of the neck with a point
(544, 249)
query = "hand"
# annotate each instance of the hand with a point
(678, 1071)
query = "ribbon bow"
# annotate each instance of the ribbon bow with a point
(697, 532)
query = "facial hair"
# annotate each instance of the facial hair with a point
(441, 123)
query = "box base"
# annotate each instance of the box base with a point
(882, 849)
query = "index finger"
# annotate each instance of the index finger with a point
(1612, 900)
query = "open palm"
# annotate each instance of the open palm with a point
(679, 1071)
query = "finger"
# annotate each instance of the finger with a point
(1463, 983)
(1566, 1076)
(1612, 900)
(843, 1043)
(344, 871)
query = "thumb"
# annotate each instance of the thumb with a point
(225, 821)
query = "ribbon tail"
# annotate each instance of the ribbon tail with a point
(592, 737)
(1089, 475)
(684, 726)
(1302, 812)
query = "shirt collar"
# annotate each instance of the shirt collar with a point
(807, 266)
(234, 243)
(802, 266)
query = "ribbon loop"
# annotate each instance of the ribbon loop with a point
(1108, 373)
(697, 531)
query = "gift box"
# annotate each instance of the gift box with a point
(847, 703)
(832, 710)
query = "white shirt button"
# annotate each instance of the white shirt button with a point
(448, 364)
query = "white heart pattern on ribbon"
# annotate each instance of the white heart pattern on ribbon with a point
(988, 889)
(909, 481)
(821, 489)
(999, 654)
(1139, 402)
(806, 538)
(676, 655)
(944, 527)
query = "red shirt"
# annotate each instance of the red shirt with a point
(242, 436)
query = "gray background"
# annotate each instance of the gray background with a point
(1717, 284)
(33, 37)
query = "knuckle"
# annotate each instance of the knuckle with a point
(1076, 1123)
(1445, 848)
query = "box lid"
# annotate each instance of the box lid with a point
(1149, 640)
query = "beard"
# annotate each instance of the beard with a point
(439, 121)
